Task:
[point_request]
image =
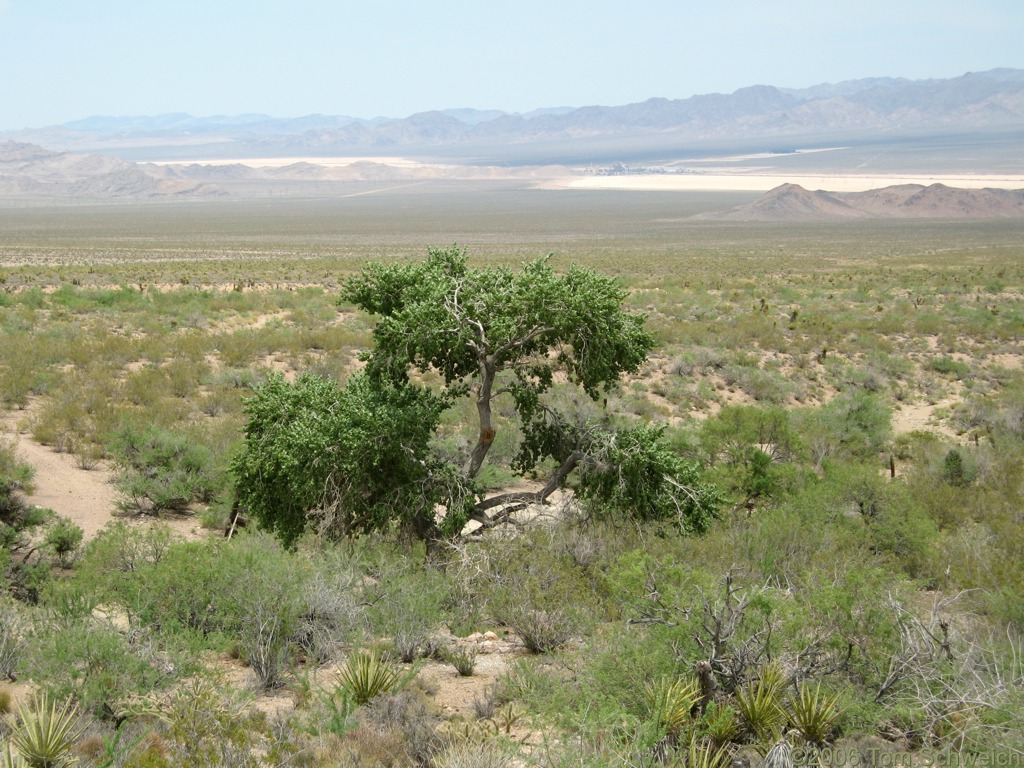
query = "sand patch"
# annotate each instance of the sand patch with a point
(86, 497)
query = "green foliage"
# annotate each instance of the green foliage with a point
(12, 630)
(953, 470)
(163, 471)
(64, 539)
(542, 631)
(854, 425)
(721, 723)
(406, 603)
(366, 675)
(360, 458)
(353, 456)
(633, 473)
(814, 714)
(699, 755)
(438, 313)
(45, 734)
(17, 518)
(463, 659)
(760, 704)
(97, 666)
(670, 702)
(949, 366)
(201, 725)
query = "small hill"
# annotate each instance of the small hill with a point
(29, 171)
(791, 202)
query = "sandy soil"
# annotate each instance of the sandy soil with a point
(87, 497)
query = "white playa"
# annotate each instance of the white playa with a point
(703, 179)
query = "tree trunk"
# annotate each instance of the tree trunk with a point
(483, 409)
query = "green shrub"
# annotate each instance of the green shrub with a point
(200, 724)
(12, 629)
(463, 659)
(98, 666)
(64, 538)
(163, 470)
(406, 603)
(949, 366)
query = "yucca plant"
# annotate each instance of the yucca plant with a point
(11, 759)
(45, 734)
(367, 675)
(670, 703)
(701, 754)
(760, 704)
(814, 714)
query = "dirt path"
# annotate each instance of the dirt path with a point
(86, 497)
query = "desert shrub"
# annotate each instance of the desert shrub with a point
(463, 659)
(16, 516)
(730, 434)
(853, 425)
(266, 604)
(162, 470)
(537, 589)
(894, 521)
(98, 666)
(333, 610)
(120, 549)
(407, 713)
(22, 576)
(199, 724)
(950, 367)
(64, 538)
(474, 754)
(12, 629)
(406, 603)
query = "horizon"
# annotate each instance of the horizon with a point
(394, 58)
(460, 108)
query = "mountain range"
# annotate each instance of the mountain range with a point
(791, 202)
(855, 110)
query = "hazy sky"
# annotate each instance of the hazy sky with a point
(66, 59)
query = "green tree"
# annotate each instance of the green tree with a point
(360, 457)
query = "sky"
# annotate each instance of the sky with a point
(62, 60)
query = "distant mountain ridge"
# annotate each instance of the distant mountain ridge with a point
(28, 171)
(974, 101)
(791, 202)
